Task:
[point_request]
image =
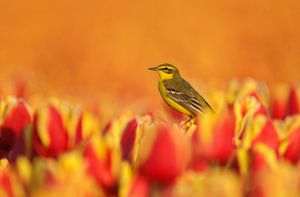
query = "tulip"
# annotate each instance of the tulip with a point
(164, 154)
(102, 164)
(16, 117)
(50, 138)
(213, 140)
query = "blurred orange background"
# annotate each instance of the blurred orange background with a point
(89, 48)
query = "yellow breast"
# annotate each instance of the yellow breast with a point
(169, 101)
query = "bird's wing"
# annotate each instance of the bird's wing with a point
(184, 94)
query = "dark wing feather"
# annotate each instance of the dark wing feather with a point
(184, 94)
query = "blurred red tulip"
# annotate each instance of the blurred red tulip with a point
(213, 141)
(49, 135)
(100, 163)
(85, 128)
(14, 121)
(168, 154)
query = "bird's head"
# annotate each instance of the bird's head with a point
(166, 71)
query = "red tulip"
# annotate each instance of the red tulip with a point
(213, 142)
(49, 135)
(100, 163)
(15, 120)
(86, 126)
(164, 154)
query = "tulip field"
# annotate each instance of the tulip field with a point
(249, 147)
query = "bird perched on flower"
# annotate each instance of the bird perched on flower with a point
(178, 93)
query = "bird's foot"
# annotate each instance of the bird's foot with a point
(188, 123)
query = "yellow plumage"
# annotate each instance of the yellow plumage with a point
(178, 93)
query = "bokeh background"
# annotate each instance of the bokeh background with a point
(90, 48)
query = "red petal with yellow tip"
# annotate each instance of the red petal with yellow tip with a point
(100, 169)
(292, 153)
(219, 147)
(268, 136)
(55, 132)
(278, 109)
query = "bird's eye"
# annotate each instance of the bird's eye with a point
(165, 68)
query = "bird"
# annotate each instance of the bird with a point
(178, 93)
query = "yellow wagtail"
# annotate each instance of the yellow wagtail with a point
(178, 93)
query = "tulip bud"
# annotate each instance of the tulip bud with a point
(102, 165)
(164, 154)
(49, 135)
(15, 118)
(213, 141)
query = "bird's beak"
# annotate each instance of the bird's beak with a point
(154, 68)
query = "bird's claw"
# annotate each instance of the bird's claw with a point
(187, 124)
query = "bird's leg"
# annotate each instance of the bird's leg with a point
(187, 121)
